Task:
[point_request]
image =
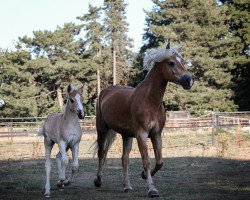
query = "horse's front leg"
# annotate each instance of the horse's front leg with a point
(48, 148)
(142, 143)
(157, 146)
(64, 162)
(75, 164)
(127, 146)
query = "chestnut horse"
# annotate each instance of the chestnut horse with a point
(63, 129)
(139, 112)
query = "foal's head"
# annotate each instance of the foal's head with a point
(75, 101)
(171, 63)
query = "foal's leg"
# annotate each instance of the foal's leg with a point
(127, 146)
(75, 164)
(48, 148)
(142, 143)
(64, 162)
(60, 183)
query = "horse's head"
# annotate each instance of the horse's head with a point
(75, 100)
(171, 63)
(174, 69)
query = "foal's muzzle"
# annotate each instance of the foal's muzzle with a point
(80, 114)
(186, 81)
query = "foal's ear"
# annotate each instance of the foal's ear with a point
(69, 88)
(80, 90)
(179, 48)
(168, 44)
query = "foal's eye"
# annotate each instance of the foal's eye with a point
(72, 100)
(171, 63)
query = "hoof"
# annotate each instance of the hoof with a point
(127, 190)
(47, 195)
(153, 193)
(66, 182)
(60, 185)
(144, 175)
(97, 183)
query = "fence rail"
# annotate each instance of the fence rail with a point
(10, 127)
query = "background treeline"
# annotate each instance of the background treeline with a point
(216, 34)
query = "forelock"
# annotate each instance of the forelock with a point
(158, 55)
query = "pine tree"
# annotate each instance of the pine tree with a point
(201, 27)
(17, 86)
(59, 60)
(94, 33)
(116, 39)
(239, 14)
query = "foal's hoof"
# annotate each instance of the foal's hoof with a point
(127, 189)
(97, 183)
(60, 185)
(153, 193)
(47, 195)
(144, 175)
(66, 182)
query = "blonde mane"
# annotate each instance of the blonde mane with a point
(158, 55)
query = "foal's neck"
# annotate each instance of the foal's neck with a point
(69, 114)
(153, 87)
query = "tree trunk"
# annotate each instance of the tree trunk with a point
(59, 97)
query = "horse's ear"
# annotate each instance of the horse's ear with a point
(69, 89)
(80, 89)
(179, 48)
(168, 44)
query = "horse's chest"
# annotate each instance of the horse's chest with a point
(73, 135)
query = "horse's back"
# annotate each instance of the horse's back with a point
(113, 108)
(51, 126)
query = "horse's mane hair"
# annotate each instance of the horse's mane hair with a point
(158, 55)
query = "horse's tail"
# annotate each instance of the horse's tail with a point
(40, 131)
(107, 143)
(104, 139)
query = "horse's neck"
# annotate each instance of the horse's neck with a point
(68, 115)
(153, 87)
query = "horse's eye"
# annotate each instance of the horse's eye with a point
(72, 100)
(171, 63)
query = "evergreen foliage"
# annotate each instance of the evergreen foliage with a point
(239, 26)
(215, 34)
(200, 26)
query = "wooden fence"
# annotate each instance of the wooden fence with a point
(10, 127)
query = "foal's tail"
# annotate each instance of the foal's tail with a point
(40, 131)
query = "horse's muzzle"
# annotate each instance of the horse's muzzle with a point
(187, 81)
(80, 114)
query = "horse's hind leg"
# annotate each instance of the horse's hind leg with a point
(127, 146)
(48, 148)
(101, 137)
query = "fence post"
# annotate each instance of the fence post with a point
(214, 126)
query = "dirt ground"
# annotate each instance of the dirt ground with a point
(193, 169)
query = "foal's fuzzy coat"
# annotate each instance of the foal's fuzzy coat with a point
(63, 129)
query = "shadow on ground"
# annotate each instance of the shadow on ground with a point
(181, 178)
